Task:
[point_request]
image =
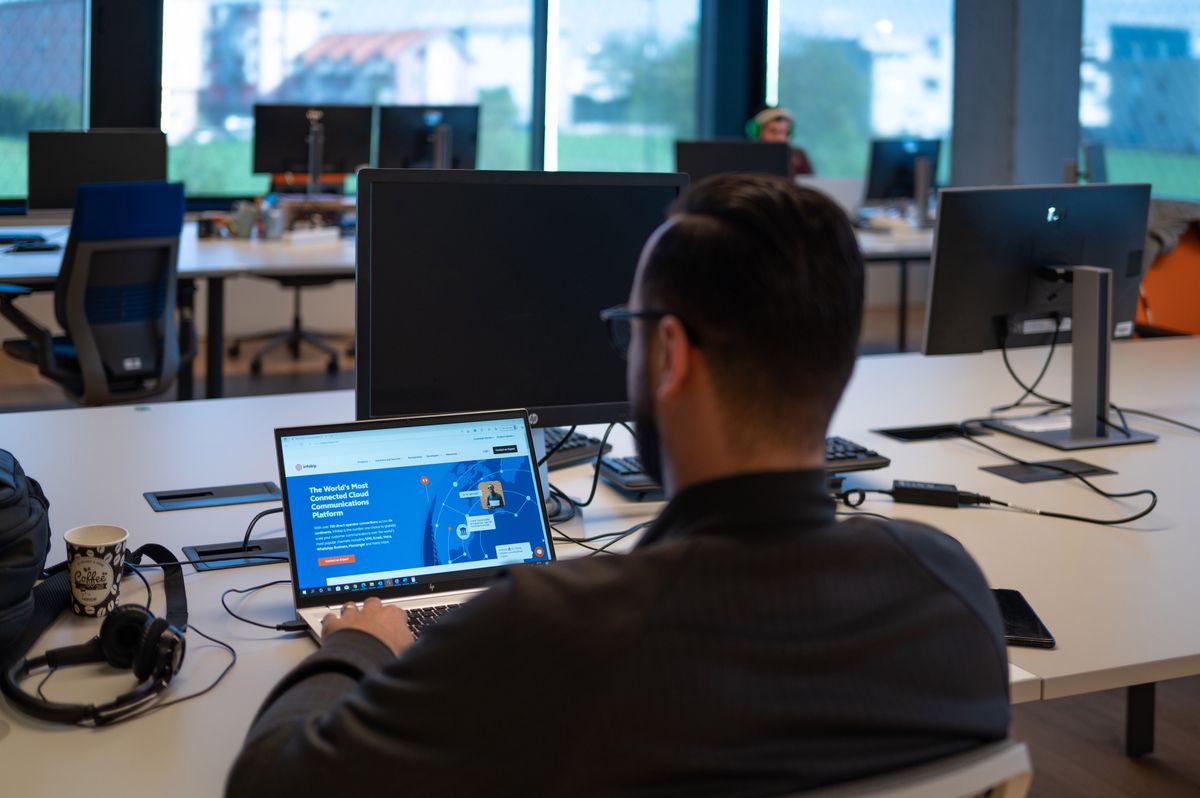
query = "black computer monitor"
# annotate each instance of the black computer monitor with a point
(281, 138)
(60, 160)
(482, 290)
(893, 169)
(407, 133)
(1007, 266)
(699, 159)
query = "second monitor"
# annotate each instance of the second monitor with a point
(481, 290)
(893, 168)
(422, 135)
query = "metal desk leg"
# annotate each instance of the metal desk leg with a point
(185, 300)
(902, 334)
(1139, 720)
(214, 375)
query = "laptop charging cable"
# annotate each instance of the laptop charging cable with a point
(286, 626)
(938, 494)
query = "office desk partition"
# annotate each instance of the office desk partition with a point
(1120, 600)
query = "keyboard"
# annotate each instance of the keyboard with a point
(841, 456)
(421, 617)
(579, 448)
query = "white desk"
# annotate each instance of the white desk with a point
(1121, 601)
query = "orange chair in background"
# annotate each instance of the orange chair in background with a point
(1171, 288)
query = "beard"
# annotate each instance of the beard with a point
(649, 444)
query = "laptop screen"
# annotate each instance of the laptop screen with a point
(409, 506)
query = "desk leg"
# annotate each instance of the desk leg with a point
(214, 375)
(1139, 720)
(186, 302)
(902, 334)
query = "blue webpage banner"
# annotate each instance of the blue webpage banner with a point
(414, 520)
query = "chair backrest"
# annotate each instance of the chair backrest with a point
(996, 770)
(116, 290)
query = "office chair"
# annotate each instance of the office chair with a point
(293, 336)
(996, 770)
(114, 297)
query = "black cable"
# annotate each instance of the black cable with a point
(1157, 417)
(42, 684)
(564, 508)
(1095, 488)
(142, 712)
(286, 626)
(145, 583)
(595, 472)
(594, 550)
(563, 442)
(1059, 404)
(854, 497)
(253, 521)
(1030, 390)
(861, 512)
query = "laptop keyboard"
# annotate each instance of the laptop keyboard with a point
(421, 617)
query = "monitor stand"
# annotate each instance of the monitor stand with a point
(1089, 426)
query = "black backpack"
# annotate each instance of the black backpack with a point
(24, 545)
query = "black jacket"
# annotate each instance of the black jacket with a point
(750, 645)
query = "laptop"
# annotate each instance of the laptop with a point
(420, 512)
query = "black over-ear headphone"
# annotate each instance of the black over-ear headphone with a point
(130, 637)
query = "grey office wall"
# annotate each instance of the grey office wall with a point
(1016, 90)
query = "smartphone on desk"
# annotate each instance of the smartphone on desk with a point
(1022, 626)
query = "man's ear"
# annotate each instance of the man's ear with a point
(675, 357)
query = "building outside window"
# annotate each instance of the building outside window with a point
(220, 57)
(1140, 91)
(862, 69)
(624, 85)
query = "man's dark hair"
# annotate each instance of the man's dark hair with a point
(769, 277)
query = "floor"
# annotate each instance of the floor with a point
(1076, 743)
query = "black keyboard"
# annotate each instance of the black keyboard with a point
(841, 456)
(421, 617)
(579, 448)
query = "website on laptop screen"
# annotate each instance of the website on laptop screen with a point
(391, 507)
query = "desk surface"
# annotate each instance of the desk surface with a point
(1120, 600)
(199, 258)
(227, 257)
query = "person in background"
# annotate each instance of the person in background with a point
(773, 124)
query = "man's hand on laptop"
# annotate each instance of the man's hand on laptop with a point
(388, 623)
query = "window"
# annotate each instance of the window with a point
(621, 83)
(41, 78)
(863, 69)
(222, 56)
(1140, 91)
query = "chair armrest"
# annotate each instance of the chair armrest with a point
(8, 290)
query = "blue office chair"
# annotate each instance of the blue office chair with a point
(114, 298)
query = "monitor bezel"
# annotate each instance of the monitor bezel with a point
(540, 415)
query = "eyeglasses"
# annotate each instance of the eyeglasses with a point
(618, 321)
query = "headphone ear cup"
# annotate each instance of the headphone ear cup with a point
(752, 128)
(147, 653)
(122, 632)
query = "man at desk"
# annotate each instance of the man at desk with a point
(750, 644)
(775, 125)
